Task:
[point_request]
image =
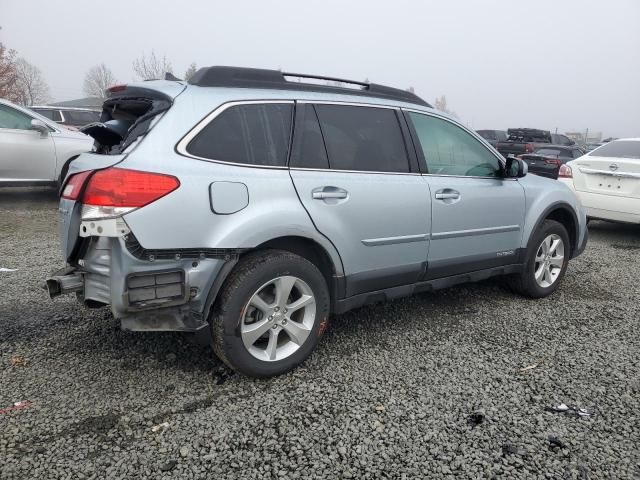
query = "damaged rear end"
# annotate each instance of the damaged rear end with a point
(103, 261)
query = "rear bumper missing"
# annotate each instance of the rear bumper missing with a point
(64, 281)
(145, 295)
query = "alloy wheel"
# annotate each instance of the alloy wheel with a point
(278, 318)
(549, 261)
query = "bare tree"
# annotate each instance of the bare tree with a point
(190, 71)
(7, 74)
(31, 86)
(151, 67)
(97, 80)
(441, 104)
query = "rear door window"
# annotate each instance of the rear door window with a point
(363, 138)
(254, 134)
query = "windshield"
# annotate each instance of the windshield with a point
(618, 149)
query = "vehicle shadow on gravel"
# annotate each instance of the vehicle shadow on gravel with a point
(103, 336)
(20, 198)
(621, 236)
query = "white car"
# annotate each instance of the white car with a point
(35, 150)
(607, 180)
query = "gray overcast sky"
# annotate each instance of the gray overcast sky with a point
(570, 64)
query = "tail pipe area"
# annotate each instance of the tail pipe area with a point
(65, 281)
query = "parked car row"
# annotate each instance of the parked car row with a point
(543, 151)
(518, 140)
(34, 150)
(607, 180)
(547, 160)
(313, 200)
(605, 176)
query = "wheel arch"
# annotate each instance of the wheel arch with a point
(564, 214)
(329, 265)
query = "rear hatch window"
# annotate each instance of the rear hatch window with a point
(127, 116)
(618, 149)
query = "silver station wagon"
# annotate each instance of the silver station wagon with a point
(247, 206)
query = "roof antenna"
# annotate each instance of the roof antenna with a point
(172, 77)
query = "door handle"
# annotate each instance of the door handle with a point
(329, 192)
(447, 194)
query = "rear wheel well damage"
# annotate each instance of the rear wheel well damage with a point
(301, 246)
(304, 248)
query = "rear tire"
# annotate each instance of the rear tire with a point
(548, 255)
(270, 313)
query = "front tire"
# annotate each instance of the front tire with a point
(270, 313)
(548, 255)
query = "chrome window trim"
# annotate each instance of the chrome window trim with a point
(181, 147)
(466, 176)
(346, 104)
(475, 135)
(367, 172)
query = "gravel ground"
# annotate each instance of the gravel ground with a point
(431, 386)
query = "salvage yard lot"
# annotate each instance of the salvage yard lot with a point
(431, 386)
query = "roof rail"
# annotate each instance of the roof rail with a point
(241, 77)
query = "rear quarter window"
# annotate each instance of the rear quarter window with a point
(252, 134)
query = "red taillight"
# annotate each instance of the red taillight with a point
(565, 172)
(119, 187)
(528, 147)
(74, 185)
(117, 88)
(552, 161)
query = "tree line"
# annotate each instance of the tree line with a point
(20, 81)
(23, 83)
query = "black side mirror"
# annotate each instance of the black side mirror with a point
(515, 167)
